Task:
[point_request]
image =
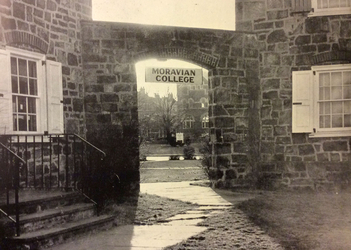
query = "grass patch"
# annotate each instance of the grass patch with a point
(306, 220)
(146, 209)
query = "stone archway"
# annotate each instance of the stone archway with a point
(109, 52)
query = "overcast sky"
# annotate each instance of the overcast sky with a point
(212, 14)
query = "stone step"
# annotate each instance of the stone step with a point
(42, 203)
(45, 238)
(52, 217)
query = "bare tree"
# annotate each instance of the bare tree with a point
(160, 112)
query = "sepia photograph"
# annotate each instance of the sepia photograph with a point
(175, 124)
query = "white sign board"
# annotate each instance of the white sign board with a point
(173, 75)
(179, 137)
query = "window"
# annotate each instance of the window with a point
(330, 7)
(30, 93)
(189, 122)
(322, 101)
(24, 81)
(205, 122)
(204, 103)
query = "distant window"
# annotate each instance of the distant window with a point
(189, 122)
(204, 103)
(205, 122)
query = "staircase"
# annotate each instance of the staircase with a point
(46, 183)
(52, 219)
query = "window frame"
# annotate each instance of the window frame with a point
(327, 132)
(49, 99)
(205, 121)
(189, 119)
(41, 100)
(328, 11)
(305, 102)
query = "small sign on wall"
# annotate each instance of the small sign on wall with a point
(173, 75)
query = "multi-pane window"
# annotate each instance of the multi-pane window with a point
(335, 99)
(330, 7)
(189, 122)
(322, 101)
(205, 122)
(24, 82)
(328, 4)
(30, 93)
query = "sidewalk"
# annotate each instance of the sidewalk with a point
(156, 237)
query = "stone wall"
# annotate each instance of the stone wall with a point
(52, 28)
(291, 41)
(110, 51)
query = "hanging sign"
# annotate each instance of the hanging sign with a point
(173, 75)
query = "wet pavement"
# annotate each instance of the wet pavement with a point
(166, 233)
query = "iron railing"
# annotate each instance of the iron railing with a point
(10, 176)
(51, 161)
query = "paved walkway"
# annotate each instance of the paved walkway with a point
(156, 237)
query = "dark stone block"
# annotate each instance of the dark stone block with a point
(237, 52)
(283, 140)
(267, 147)
(224, 122)
(279, 157)
(263, 26)
(71, 85)
(90, 99)
(110, 107)
(319, 38)
(8, 23)
(103, 118)
(122, 87)
(279, 14)
(223, 148)
(270, 95)
(19, 10)
(230, 174)
(335, 146)
(109, 97)
(280, 130)
(269, 84)
(303, 60)
(306, 149)
(268, 167)
(240, 147)
(322, 157)
(302, 40)
(106, 79)
(277, 36)
(239, 158)
(345, 29)
(251, 53)
(67, 101)
(299, 138)
(66, 70)
(72, 59)
(317, 25)
(78, 105)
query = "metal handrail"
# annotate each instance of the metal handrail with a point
(8, 216)
(91, 145)
(13, 153)
(16, 221)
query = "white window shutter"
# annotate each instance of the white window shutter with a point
(302, 108)
(6, 126)
(54, 98)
